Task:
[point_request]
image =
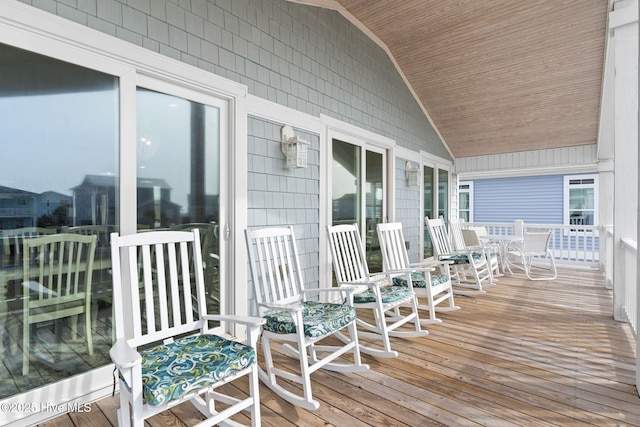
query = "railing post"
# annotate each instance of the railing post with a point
(518, 227)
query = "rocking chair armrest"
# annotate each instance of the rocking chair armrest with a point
(433, 264)
(123, 356)
(286, 307)
(361, 284)
(458, 252)
(411, 269)
(250, 321)
(341, 288)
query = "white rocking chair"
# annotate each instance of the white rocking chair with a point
(474, 237)
(470, 270)
(529, 253)
(294, 317)
(181, 360)
(434, 287)
(468, 240)
(374, 292)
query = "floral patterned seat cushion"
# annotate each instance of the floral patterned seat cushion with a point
(318, 319)
(191, 363)
(418, 280)
(478, 258)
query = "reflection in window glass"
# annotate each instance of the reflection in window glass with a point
(581, 206)
(428, 196)
(178, 174)
(346, 183)
(59, 137)
(443, 194)
(374, 208)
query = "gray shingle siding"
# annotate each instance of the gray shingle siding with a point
(281, 196)
(408, 210)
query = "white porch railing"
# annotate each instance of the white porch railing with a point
(570, 244)
(628, 252)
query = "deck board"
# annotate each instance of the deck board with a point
(526, 353)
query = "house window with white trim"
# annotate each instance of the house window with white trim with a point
(465, 201)
(581, 199)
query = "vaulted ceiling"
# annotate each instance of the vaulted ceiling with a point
(495, 76)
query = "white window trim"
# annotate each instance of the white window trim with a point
(565, 194)
(470, 191)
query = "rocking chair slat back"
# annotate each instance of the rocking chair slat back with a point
(394, 253)
(276, 256)
(160, 296)
(350, 262)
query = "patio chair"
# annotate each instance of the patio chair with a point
(57, 274)
(470, 272)
(374, 292)
(533, 254)
(434, 287)
(296, 319)
(165, 353)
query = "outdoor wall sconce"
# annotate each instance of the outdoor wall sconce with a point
(294, 148)
(412, 172)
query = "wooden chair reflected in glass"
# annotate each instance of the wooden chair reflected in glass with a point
(57, 276)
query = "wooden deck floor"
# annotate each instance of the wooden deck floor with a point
(525, 354)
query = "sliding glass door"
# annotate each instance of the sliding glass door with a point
(59, 138)
(358, 194)
(63, 128)
(178, 172)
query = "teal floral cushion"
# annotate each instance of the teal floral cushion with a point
(478, 258)
(418, 280)
(388, 294)
(318, 319)
(191, 363)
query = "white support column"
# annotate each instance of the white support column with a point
(624, 39)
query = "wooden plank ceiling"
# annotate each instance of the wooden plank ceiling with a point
(496, 76)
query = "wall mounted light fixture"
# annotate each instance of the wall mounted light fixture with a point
(412, 172)
(294, 148)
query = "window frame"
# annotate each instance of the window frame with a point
(469, 191)
(567, 187)
(437, 164)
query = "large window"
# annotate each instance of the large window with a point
(358, 193)
(580, 199)
(59, 135)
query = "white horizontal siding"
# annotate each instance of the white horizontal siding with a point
(577, 159)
